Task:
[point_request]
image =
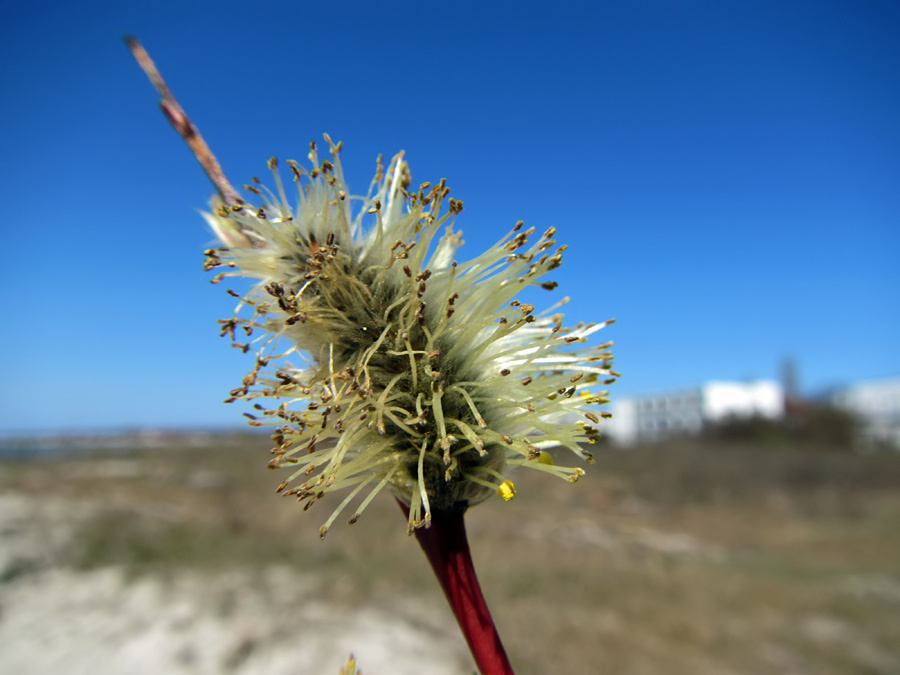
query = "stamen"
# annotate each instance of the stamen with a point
(423, 492)
(365, 502)
(324, 529)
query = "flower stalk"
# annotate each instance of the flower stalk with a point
(446, 546)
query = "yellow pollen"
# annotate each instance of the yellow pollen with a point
(507, 490)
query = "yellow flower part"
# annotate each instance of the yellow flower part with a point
(507, 490)
(350, 667)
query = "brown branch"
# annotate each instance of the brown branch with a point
(183, 125)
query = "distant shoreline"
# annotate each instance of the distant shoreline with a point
(44, 445)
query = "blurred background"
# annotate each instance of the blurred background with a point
(727, 176)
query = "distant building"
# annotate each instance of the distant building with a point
(690, 410)
(876, 403)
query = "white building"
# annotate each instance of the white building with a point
(689, 410)
(877, 404)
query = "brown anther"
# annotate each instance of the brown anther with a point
(299, 316)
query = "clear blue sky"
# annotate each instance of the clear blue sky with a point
(726, 173)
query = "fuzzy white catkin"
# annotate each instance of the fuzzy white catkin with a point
(383, 362)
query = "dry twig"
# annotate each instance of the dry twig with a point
(183, 125)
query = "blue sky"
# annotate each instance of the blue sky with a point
(726, 173)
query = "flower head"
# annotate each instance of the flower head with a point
(389, 363)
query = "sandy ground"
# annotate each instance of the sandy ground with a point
(59, 620)
(692, 561)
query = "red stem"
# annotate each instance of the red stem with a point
(447, 548)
